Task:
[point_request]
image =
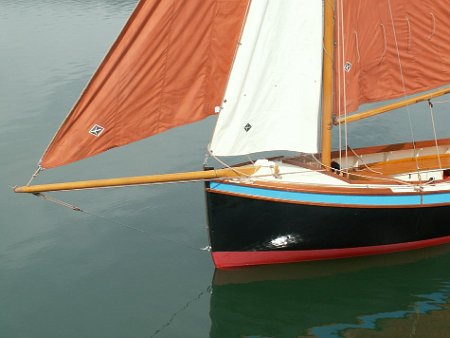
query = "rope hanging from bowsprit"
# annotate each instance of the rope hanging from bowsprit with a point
(58, 201)
(75, 208)
(152, 235)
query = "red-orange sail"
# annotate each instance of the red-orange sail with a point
(168, 67)
(375, 37)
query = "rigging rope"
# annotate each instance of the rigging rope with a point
(344, 85)
(36, 173)
(363, 162)
(339, 73)
(405, 93)
(121, 224)
(430, 105)
(381, 178)
(441, 102)
(228, 166)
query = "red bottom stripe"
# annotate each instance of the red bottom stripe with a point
(233, 259)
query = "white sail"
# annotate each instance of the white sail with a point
(273, 95)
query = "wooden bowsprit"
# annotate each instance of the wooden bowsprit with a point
(140, 180)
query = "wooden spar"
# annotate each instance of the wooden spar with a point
(327, 83)
(393, 106)
(139, 180)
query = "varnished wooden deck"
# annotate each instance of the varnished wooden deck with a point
(382, 170)
(409, 165)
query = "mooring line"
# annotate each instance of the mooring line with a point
(176, 313)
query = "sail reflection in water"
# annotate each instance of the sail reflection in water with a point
(402, 295)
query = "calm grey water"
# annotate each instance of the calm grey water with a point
(132, 266)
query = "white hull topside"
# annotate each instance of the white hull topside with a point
(293, 175)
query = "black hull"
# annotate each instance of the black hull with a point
(243, 225)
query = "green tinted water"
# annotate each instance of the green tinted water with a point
(133, 266)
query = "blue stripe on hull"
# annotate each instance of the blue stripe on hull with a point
(436, 198)
(334, 199)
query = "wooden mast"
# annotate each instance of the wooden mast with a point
(327, 82)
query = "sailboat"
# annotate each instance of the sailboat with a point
(280, 75)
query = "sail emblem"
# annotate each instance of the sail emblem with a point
(96, 130)
(247, 127)
(348, 66)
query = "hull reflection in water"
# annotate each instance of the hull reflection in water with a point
(398, 295)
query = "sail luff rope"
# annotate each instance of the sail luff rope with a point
(430, 105)
(405, 94)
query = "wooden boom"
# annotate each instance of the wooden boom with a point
(139, 180)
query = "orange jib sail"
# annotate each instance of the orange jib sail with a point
(168, 67)
(389, 49)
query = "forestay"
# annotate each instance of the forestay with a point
(273, 96)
